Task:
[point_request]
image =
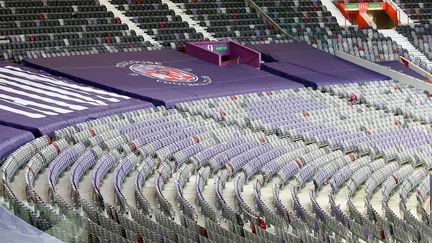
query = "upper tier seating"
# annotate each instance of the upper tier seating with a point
(309, 21)
(62, 27)
(232, 20)
(419, 11)
(420, 35)
(157, 20)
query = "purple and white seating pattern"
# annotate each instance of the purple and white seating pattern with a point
(361, 175)
(40, 161)
(423, 189)
(391, 95)
(376, 138)
(345, 172)
(87, 160)
(395, 179)
(380, 176)
(249, 161)
(123, 169)
(311, 169)
(105, 164)
(141, 175)
(411, 182)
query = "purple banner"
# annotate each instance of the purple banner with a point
(311, 66)
(398, 66)
(11, 139)
(41, 103)
(162, 77)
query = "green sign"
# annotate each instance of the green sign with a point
(221, 48)
(355, 6)
(374, 5)
(351, 5)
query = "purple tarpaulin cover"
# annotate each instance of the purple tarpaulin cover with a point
(11, 139)
(398, 66)
(304, 63)
(162, 77)
(41, 103)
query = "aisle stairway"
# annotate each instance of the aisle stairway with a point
(405, 43)
(124, 19)
(192, 23)
(331, 7)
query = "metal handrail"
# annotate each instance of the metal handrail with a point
(398, 10)
(260, 11)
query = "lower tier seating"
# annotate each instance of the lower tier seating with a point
(342, 163)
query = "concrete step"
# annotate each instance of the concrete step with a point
(406, 44)
(132, 26)
(192, 23)
(331, 7)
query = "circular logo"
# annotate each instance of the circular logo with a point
(164, 74)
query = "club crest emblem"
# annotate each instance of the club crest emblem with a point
(160, 72)
(165, 74)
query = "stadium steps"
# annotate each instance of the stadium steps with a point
(331, 7)
(405, 43)
(170, 194)
(64, 187)
(107, 188)
(190, 195)
(130, 24)
(412, 204)
(149, 190)
(85, 188)
(127, 190)
(192, 23)
(18, 186)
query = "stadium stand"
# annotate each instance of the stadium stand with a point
(104, 139)
(310, 22)
(233, 20)
(58, 28)
(148, 177)
(417, 10)
(419, 35)
(159, 21)
(47, 29)
(419, 32)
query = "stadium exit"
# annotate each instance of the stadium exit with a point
(377, 15)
